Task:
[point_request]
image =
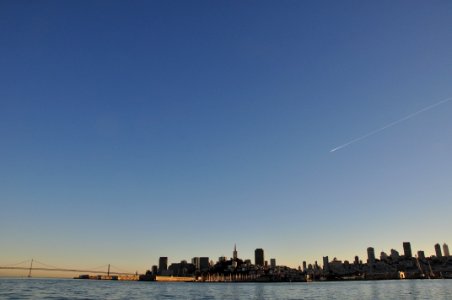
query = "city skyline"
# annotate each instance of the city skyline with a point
(259, 255)
(130, 131)
(167, 267)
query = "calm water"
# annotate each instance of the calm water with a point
(92, 289)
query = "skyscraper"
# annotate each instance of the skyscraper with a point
(446, 250)
(370, 255)
(195, 262)
(326, 264)
(421, 255)
(163, 264)
(259, 257)
(438, 250)
(273, 262)
(407, 250)
(203, 263)
(234, 253)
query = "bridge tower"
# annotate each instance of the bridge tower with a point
(31, 267)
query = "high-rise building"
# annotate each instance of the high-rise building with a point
(154, 270)
(370, 255)
(234, 253)
(304, 266)
(407, 250)
(163, 264)
(203, 263)
(195, 262)
(421, 255)
(200, 263)
(446, 250)
(326, 264)
(438, 250)
(259, 257)
(356, 262)
(394, 254)
(273, 262)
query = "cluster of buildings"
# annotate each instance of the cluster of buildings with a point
(391, 265)
(232, 269)
(388, 266)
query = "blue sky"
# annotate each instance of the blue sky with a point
(133, 130)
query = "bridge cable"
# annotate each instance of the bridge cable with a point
(47, 265)
(12, 265)
(99, 267)
(122, 271)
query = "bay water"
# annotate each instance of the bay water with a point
(38, 288)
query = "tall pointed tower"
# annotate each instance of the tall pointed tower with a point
(234, 253)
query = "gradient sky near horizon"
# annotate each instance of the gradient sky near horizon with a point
(131, 130)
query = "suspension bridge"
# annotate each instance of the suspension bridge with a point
(31, 265)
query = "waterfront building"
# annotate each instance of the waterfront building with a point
(446, 250)
(407, 250)
(259, 257)
(181, 269)
(383, 256)
(233, 264)
(273, 262)
(438, 251)
(163, 264)
(370, 255)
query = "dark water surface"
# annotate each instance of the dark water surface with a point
(93, 289)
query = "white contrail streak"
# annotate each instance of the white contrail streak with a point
(391, 124)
